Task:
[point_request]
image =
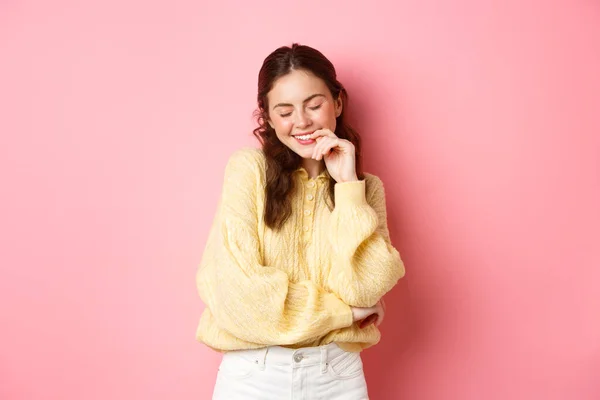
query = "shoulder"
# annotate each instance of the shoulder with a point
(372, 182)
(242, 181)
(245, 162)
(374, 191)
(247, 156)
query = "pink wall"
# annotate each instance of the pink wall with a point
(117, 119)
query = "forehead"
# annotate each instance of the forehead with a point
(295, 87)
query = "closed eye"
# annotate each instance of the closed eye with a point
(285, 115)
(316, 107)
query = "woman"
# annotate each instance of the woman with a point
(299, 256)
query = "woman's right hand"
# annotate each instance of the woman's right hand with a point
(361, 313)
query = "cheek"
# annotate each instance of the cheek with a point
(282, 126)
(326, 116)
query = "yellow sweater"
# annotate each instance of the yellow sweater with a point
(294, 288)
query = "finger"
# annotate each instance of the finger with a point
(344, 146)
(368, 321)
(381, 316)
(314, 150)
(322, 133)
(317, 149)
(327, 147)
(318, 140)
(319, 146)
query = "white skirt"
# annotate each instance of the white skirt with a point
(279, 373)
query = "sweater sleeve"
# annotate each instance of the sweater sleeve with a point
(255, 302)
(364, 263)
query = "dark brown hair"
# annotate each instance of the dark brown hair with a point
(281, 161)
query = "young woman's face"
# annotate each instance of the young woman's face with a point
(299, 104)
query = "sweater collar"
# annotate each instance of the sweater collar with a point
(304, 174)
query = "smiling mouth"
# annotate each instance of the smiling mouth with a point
(303, 137)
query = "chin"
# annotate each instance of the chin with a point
(305, 152)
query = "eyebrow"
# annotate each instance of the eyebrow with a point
(305, 100)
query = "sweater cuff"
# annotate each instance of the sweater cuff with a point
(350, 193)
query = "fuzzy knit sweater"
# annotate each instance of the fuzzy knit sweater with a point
(294, 287)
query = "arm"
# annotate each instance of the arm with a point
(252, 301)
(364, 262)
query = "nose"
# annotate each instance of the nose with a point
(302, 120)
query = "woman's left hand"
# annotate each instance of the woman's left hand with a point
(339, 155)
(377, 317)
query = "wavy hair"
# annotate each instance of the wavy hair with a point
(281, 161)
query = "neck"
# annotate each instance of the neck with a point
(313, 167)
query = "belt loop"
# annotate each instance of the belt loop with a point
(261, 357)
(323, 359)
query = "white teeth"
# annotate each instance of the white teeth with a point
(305, 137)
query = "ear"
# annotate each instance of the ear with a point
(339, 106)
(270, 123)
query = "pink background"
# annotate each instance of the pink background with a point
(482, 118)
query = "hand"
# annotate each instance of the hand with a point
(339, 155)
(368, 315)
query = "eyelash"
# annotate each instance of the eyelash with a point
(312, 108)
